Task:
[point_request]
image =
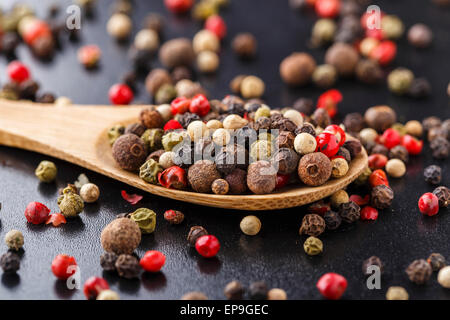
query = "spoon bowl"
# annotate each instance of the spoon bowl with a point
(78, 134)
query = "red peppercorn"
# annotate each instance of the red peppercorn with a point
(207, 246)
(332, 285)
(327, 8)
(56, 219)
(384, 52)
(327, 143)
(199, 105)
(178, 6)
(338, 132)
(172, 125)
(412, 145)
(429, 204)
(369, 19)
(216, 25)
(360, 201)
(369, 213)
(120, 94)
(89, 55)
(152, 261)
(377, 161)
(61, 266)
(391, 138)
(378, 177)
(282, 180)
(18, 72)
(329, 101)
(180, 105)
(93, 286)
(173, 177)
(35, 30)
(36, 213)
(375, 33)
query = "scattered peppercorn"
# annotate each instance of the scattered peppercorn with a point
(312, 225)
(174, 216)
(194, 295)
(313, 246)
(372, 261)
(244, 45)
(258, 290)
(46, 171)
(121, 236)
(382, 196)
(108, 261)
(436, 261)
(420, 35)
(419, 271)
(349, 212)
(127, 266)
(14, 239)
(443, 195)
(250, 225)
(194, 233)
(433, 174)
(10, 262)
(145, 219)
(89, 193)
(234, 290)
(297, 69)
(444, 277)
(397, 293)
(332, 220)
(314, 169)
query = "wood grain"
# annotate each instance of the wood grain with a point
(77, 134)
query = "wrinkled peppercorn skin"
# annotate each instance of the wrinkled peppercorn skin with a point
(372, 261)
(419, 271)
(332, 220)
(127, 266)
(312, 225)
(382, 196)
(349, 212)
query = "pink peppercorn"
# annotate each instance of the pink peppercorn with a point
(36, 213)
(429, 204)
(391, 138)
(332, 285)
(369, 213)
(120, 94)
(216, 25)
(207, 246)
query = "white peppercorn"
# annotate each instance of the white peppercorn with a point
(146, 39)
(234, 121)
(252, 87)
(444, 277)
(395, 168)
(397, 293)
(368, 135)
(108, 295)
(221, 137)
(205, 40)
(250, 225)
(339, 167)
(305, 143)
(89, 193)
(165, 111)
(214, 124)
(197, 130)
(276, 294)
(207, 61)
(295, 116)
(166, 159)
(119, 26)
(14, 239)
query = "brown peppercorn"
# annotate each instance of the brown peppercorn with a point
(283, 124)
(220, 186)
(181, 73)
(343, 57)
(339, 167)
(154, 22)
(431, 122)
(244, 45)
(435, 132)
(135, 128)
(258, 290)
(234, 290)
(194, 233)
(306, 128)
(127, 266)
(433, 174)
(230, 157)
(314, 169)
(304, 105)
(420, 35)
(381, 197)
(440, 148)
(151, 118)
(379, 149)
(353, 122)
(129, 152)
(237, 181)
(285, 139)
(349, 212)
(155, 79)
(177, 52)
(121, 236)
(235, 84)
(202, 174)
(261, 177)
(368, 71)
(419, 88)
(332, 220)
(399, 152)
(372, 261)
(436, 261)
(419, 271)
(380, 118)
(443, 194)
(312, 225)
(343, 152)
(321, 118)
(297, 69)
(285, 160)
(108, 261)
(155, 155)
(194, 295)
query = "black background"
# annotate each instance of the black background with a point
(398, 237)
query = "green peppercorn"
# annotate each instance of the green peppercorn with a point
(400, 128)
(263, 111)
(46, 171)
(204, 9)
(313, 246)
(145, 219)
(70, 203)
(115, 132)
(149, 171)
(324, 76)
(392, 26)
(363, 177)
(165, 94)
(261, 150)
(14, 239)
(399, 80)
(153, 139)
(323, 31)
(171, 139)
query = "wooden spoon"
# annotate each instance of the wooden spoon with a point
(78, 134)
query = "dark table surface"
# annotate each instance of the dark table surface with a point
(399, 236)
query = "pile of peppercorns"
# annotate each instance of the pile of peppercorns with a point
(364, 43)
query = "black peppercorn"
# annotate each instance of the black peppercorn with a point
(321, 118)
(419, 271)
(381, 196)
(285, 160)
(283, 124)
(262, 123)
(194, 233)
(108, 260)
(443, 194)
(258, 290)
(372, 261)
(9, 42)
(130, 79)
(306, 128)
(234, 290)
(431, 122)
(354, 147)
(349, 212)
(141, 60)
(285, 139)
(10, 262)
(181, 73)
(312, 225)
(436, 261)
(186, 118)
(332, 220)
(229, 158)
(354, 122)
(237, 181)
(127, 266)
(343, 152)
(432, 174)
(379, 149)
(28, 90)
(136, 129)
(46, 98)
(419, 88)
(399, 152)
(368, 71)
(304, 105)
(440, 148)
